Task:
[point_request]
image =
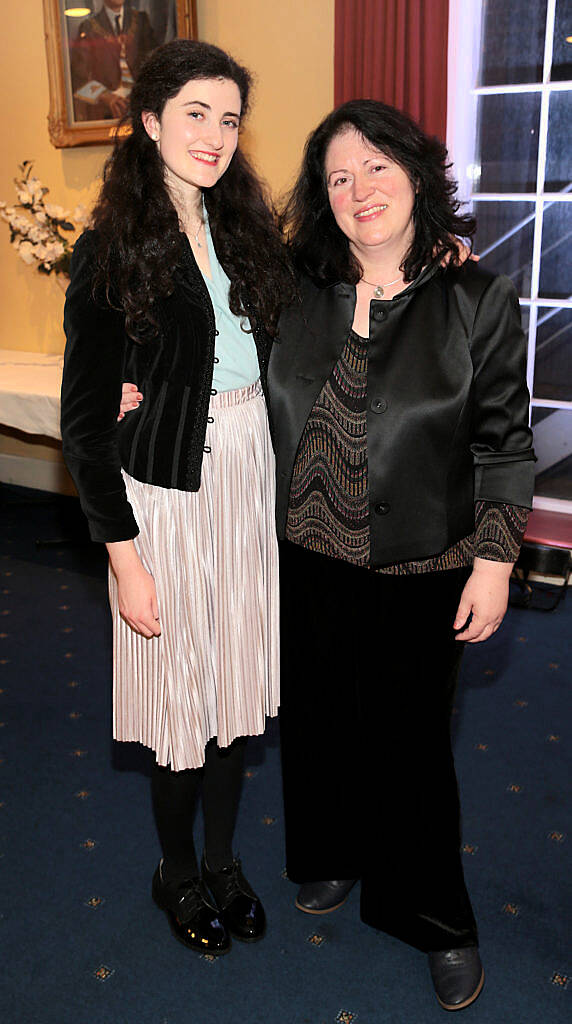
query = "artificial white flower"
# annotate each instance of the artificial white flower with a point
(36, 188)
(25, 197)
(56, 212)
(40, 216)
(26, 252)
(20, 224)
(38, 234)
(54, 250)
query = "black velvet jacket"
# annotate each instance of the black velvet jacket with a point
(161, 442)
(447, 407)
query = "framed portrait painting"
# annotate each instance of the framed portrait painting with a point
(94, 50)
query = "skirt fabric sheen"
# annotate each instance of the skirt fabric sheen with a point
(214, 671)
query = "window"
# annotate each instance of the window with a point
(509, 134)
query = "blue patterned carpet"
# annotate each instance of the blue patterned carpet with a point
(82, 941)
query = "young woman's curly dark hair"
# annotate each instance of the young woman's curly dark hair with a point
(138, 230)
(318, 246)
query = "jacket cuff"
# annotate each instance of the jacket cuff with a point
(507, 482)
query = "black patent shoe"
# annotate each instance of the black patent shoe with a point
(239, 905)
(458, 976)
(192, 917)
(323, 897)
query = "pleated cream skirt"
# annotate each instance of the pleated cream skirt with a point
(214, 671)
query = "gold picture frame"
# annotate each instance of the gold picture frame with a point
(84, 113)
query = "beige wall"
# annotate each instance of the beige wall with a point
(289, 47)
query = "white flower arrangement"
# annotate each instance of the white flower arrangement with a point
(40, 235)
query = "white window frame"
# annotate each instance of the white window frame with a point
(465, 19)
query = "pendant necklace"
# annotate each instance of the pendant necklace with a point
(378, 289)
(196, 237)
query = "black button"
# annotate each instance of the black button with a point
(206, 448)
(216, 333)
(216, 359)
(382, 508)
(214, 391)
(379, 315)
(378, 405)
(210, 419)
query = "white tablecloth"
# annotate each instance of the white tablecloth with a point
(30, 384)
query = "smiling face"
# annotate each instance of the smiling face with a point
(371, 197)
(197, 134)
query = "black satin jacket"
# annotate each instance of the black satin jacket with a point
(447, 402)
(162, 442)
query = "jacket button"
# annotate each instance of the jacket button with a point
(382, 508)
(216, 359)
(206, 449)
(214, 391)
(379, 315)
(216, 333)
(210, 419)
(378, 405)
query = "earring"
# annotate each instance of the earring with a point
(155, 138)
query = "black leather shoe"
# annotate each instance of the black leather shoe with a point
(238, 904)
(323, 897)
(458, 976)
(192, 917)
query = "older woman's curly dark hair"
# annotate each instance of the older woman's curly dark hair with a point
(318, 246)
(138, 230)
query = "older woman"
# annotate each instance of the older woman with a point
(404, 472)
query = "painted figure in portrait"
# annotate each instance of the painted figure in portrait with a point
(108, 49)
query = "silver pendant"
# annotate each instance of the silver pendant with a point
(378, 292)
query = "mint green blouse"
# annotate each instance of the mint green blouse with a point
(236, 361)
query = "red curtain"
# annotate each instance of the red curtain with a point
(394, 51)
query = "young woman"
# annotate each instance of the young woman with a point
(176, 287)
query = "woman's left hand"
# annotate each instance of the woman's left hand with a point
(131, 397)
(485, 598)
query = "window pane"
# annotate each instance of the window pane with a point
(553, 446)
(525, 318)
(504, 240)
(553, 364)
(555, 279)
(562, 51)
(559, 152)
(512, 42)
(507, 142)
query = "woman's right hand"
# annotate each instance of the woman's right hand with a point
(137, 595)
(130, 399)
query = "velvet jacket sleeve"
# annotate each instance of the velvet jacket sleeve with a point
(91, 391)
(501, 438)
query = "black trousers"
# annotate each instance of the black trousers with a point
(370, 665)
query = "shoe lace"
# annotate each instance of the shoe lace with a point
(190, 897)
(229, 882)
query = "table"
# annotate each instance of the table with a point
(30, 384)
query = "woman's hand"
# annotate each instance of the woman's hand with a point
(485, 598)
(130, 399)
(136, 589)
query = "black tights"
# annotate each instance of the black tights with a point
(175, 796)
